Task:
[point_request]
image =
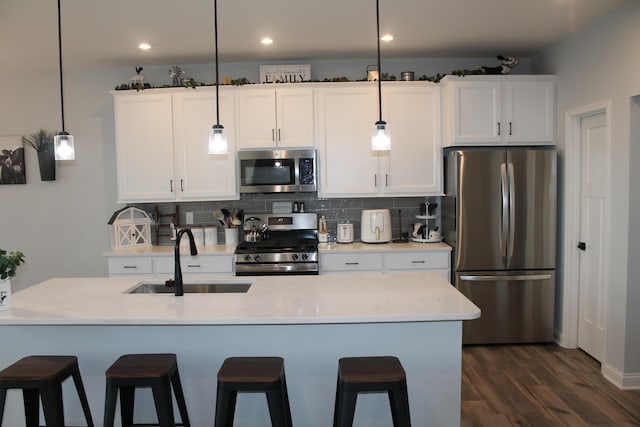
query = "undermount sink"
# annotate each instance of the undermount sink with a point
(190, 288)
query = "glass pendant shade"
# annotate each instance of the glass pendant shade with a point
(63, 146)
(218, 140)
(381, 137)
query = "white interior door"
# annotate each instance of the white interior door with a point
(593, 214)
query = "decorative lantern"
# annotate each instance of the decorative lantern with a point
(131, 228)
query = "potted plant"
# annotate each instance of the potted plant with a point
(42, 142)
(9, 261)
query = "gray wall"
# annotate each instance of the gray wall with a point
(596, 64)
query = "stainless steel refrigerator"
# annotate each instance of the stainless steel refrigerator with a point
(499, 215)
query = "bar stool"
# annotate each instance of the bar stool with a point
(252, 374)
(371, 374)
(42, 377)
(156, 371)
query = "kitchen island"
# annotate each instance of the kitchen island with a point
(311, 321)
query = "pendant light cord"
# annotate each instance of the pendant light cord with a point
(379, 68)
(215, 30)
(60, 65)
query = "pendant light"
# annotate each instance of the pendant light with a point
(63, 142)
(217, 139)
(380, 138)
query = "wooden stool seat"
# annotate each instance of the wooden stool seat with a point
(252, 374)
(41, 377)
(156, 371)
(371, 374)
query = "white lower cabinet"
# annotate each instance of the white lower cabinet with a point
(163, 266)
(381, 261)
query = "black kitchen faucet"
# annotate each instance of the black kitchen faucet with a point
(177, 275)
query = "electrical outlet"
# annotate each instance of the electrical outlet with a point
(189, 218)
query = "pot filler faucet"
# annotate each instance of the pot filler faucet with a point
(177, 275)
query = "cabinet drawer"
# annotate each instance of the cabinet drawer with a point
(417, 261)
(133, 265)
(350, 262)
(195, 265)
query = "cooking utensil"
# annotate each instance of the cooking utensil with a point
(217, 214)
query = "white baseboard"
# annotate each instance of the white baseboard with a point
(621, 380)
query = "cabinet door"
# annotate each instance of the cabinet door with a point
(144, 147)
(345, 118)
(294, 117)
(256, 118)
(529, 111)
(477, 112)
(414, 164)
(200, 175)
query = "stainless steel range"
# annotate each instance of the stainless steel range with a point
(287, 244)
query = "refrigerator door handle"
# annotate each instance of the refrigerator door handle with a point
(504, 230)
(512, 210)
(493, 278)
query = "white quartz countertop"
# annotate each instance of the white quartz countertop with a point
(167, 250)
(322, 299)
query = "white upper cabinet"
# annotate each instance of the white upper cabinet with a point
(345, 117)
(275, 117)
(202, 176)
(346, 114)
(161, 141)
(413, 167)
(144, 146)
(494, 110)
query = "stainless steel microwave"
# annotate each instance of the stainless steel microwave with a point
(277, 171)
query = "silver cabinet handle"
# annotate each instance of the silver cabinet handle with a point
(386, 179)
(351, 263)
(171, 185)
(130, 266)
(510, 129)
(181, 184)
(418, 262)
(499, 128)
(194, 265)
(279, 137)
(273, 134)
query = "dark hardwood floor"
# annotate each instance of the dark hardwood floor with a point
(540, 385)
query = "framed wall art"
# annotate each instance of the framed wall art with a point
(12, 170)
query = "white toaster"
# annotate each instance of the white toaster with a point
(375, 226)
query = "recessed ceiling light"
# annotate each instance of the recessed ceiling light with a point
(386, 38)
(144, 46)
(266, 40)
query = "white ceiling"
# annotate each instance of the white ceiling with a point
(106, 32)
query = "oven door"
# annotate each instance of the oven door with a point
(273, 269)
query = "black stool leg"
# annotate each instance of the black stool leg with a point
(77, 380)
(164, 405)
(52, 404)
(30, 398)
(399, 402)
(3, 397)
(127, 398)
(276, 403)
(182, 406)
(111, 394)
(346, 408)
(225, 407)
